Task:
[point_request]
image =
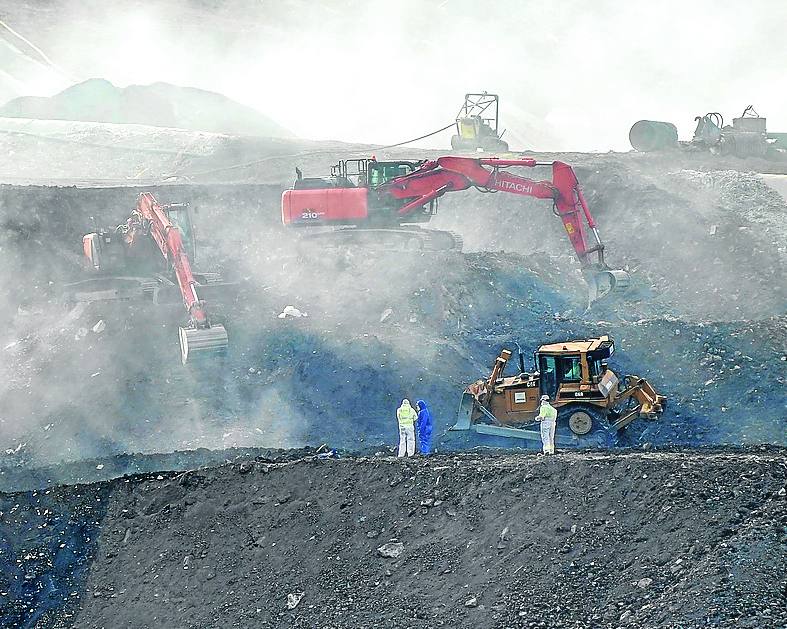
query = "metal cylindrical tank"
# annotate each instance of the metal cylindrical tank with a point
(652, 135)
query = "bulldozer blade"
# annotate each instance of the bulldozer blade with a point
(604, 283)
(562, 439)
(465, 412)
(202, 341)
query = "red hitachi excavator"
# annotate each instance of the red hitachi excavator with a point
(383, 201)
(155, 237)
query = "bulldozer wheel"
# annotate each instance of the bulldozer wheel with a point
(580, 422)
(587, 424)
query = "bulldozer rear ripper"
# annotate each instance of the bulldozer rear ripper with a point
(593, 403)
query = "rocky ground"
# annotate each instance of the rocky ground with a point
(258, 488)
(694, 537)
(704, 319)
(688, 539)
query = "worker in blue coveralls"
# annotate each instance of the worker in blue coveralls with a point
(423, 427)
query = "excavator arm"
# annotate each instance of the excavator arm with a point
(150, 218)
(449, 174)
(170, 243)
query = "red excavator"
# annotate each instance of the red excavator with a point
(154, 238)
(381, 202)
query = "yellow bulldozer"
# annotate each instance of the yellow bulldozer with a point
(593, 404)
(478, 125)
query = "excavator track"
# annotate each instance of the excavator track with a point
(109, 288)
(388, 239)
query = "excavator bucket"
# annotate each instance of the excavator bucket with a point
(604, 283)
(202, 341)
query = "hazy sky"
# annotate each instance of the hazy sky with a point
(573, 75)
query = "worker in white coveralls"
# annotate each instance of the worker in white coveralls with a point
(406, 416)
(547, 415)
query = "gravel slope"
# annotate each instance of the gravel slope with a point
(656, 539)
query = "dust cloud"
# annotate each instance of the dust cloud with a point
(686, 236)
(573, 76)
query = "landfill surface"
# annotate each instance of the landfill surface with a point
(690, 539)
(704, 319)
(666, 538)
(258, 488)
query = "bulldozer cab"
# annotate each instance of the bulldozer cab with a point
(572, 367)
(469, 127)
(475, 128)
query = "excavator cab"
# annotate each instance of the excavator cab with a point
(357, 173)
(477, 125)
(108, 250)
(383, 172)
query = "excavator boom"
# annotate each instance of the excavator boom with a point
(149, 222)
(170, 243)
(448, 174)
(410, 196)
(200, 335)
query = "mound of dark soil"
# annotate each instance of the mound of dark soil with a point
(659, 539)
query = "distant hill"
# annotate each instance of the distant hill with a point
(158, 105)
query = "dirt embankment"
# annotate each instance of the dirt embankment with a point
(658, 539)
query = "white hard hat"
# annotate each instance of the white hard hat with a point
(405, 401)
(545, 398)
